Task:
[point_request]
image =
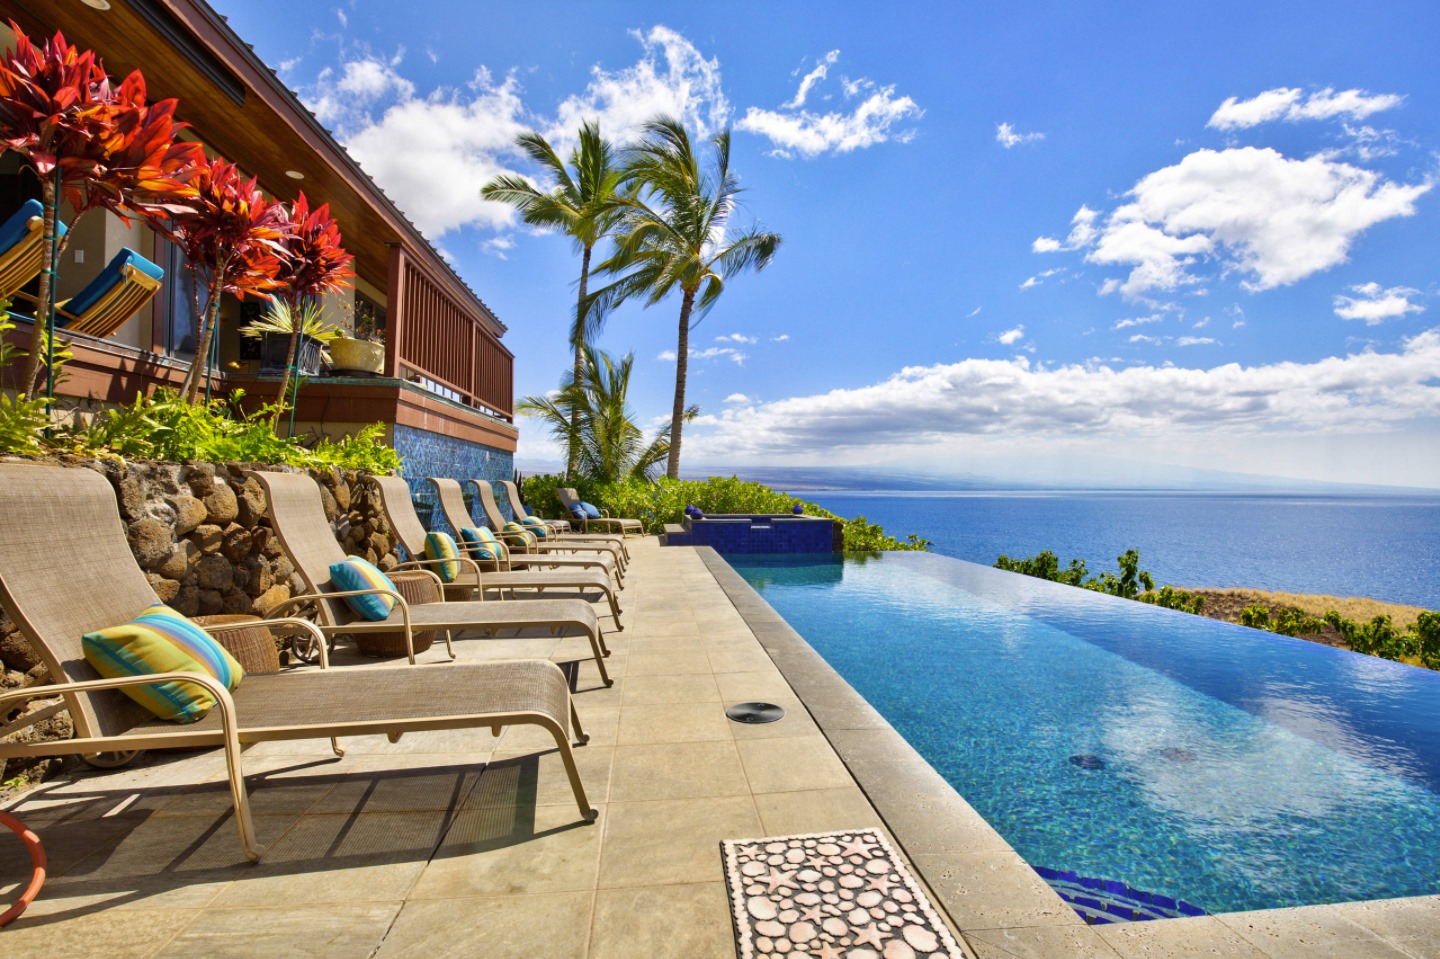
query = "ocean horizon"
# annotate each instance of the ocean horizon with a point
(1385, 546)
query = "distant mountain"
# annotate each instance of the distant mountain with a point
(1080, 474)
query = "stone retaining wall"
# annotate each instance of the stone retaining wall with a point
(199, 532)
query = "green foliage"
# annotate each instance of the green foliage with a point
(22, 421)
(592, 417)
(664, 501)
(1168, 597)
(1046, 565)
(165, 427)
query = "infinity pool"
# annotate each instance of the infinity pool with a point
(1226, 767)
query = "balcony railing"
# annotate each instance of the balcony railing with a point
(433, 340)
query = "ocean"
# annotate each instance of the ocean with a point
(1383, 547)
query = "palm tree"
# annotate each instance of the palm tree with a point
(582, 205)
(676, 236)
(611, 447)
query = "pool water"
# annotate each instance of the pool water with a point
(1186, 757)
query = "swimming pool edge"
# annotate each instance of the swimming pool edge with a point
(989, 893)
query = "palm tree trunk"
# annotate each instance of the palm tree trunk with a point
(50, 198)
(682, 357)
(578, 336)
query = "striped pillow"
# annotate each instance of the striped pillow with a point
(442, 546)
(535, 525)
(523, 536)
(161, 640)
(355, 573)
(481, 543)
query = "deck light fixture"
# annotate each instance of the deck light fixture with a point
(295, 174)
(97, 4)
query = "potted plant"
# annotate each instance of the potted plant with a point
(364, 352)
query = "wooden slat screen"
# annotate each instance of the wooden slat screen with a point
(441, 341)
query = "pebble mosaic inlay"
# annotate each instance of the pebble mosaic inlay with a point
(1103, 901)
(842, 895)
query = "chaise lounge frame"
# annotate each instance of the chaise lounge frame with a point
(66, 569)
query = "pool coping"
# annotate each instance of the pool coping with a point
(991, 895)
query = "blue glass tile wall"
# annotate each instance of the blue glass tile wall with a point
(760, 534)
(434, 454)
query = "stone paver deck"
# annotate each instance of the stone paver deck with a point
(463, 844)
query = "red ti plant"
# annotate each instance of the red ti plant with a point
(98, 145)
(314, 264)
(233, 237)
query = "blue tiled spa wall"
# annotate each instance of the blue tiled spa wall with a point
(432, 454)
(759, 533)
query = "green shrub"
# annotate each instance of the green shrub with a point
(664, 501)
(165, 427)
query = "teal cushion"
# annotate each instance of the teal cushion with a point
(536, 525)
(161, 640)
(356, 573)
(481, 543)
(441, 546)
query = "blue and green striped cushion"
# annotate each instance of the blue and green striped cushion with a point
(516, 530)
(481, 543)
(355, 573)
(161, 640)
(441, 546)
(536, 525)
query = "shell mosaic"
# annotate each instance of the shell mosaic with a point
(842, 895)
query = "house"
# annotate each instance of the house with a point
(445, 389)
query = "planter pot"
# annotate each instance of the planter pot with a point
(275, 350)
(361, 356)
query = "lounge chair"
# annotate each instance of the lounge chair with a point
(126, 284)
(457, 514)
(66, 569)
(400, 510)
(561, 527)
(531, 543)
(22, 245)
(298, 518)
(570, 499)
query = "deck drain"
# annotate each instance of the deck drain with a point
(755, 713)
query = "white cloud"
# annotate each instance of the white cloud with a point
(874, 120)
(1201, 324)
(1082, 233)
(466, 135)
(1011, 337)
(1125, 324)
(1041, 277)
(735, 338)
(1143, 338)
(812, 78)
(671, 77)
(496, 246)
(782, 338)
(925, 405)
(737, 398)
(1291, 105)
(1272, 219)
(1006, 136)
(1375, 304)
(340, 15)
(974, 313)
(709, 353)
(1195, 340)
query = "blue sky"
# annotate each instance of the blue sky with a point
(1052, 242)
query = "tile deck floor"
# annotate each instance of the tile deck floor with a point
(462, 844)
